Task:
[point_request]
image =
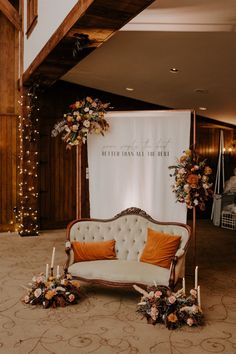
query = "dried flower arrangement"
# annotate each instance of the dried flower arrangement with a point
(53, 291)
(84, 117)
(192, 180)
(160, 305)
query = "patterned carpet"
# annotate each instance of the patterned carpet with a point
(106, 322)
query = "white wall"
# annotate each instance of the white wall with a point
(51, 14)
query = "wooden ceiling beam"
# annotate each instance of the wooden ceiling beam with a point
(73, 16)
(11, 13)
(89, 24)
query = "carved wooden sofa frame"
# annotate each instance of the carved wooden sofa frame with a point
(129, 229)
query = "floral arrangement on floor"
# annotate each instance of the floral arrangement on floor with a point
(53, 291)
(84, 117)
(160, 305)
(192, 180)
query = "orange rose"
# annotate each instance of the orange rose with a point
(49, 294)
(172, 318)
(193, 180)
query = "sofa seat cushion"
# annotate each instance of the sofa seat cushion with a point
(121, 271)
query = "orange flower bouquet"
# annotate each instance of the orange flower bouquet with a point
(159, 304)
(84, 117)
(192, 180)
(53, 291)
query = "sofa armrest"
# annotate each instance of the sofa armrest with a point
(172, 272)
(176, 266)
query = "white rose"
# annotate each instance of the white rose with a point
(194, 309)
(186, 188)
(74, 128)
(204, 178)
(39, 279)
(84, 130)
(60, 288)
(86, 109)
(86, 123)
(37, 292)
(182, 171)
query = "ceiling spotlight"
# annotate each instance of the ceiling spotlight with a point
(174, 70)
(202, 108)
(129, 89)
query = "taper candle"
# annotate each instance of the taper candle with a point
(47, 271)
(183, 281)
(53, 257)
(196, 277)
(58, 272)
(198, 296)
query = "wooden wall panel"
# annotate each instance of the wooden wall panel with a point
(8, 122)
(7, 172)
(57, 174)
(8, 83)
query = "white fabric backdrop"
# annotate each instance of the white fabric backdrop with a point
(129, 165)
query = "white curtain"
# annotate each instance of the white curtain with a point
(129, 165)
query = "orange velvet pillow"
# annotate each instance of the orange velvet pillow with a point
(160, 248)
(90, 251)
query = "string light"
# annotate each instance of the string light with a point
(28, 133)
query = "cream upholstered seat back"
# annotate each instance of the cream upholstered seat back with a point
(129, 232)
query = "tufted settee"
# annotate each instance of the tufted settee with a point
(129, 229)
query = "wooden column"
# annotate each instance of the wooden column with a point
(28, 166)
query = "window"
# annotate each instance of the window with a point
(32, 15)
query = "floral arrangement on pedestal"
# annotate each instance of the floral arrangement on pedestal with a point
(192, 180)
(53, 291)
(84, 117)
(160, 305)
